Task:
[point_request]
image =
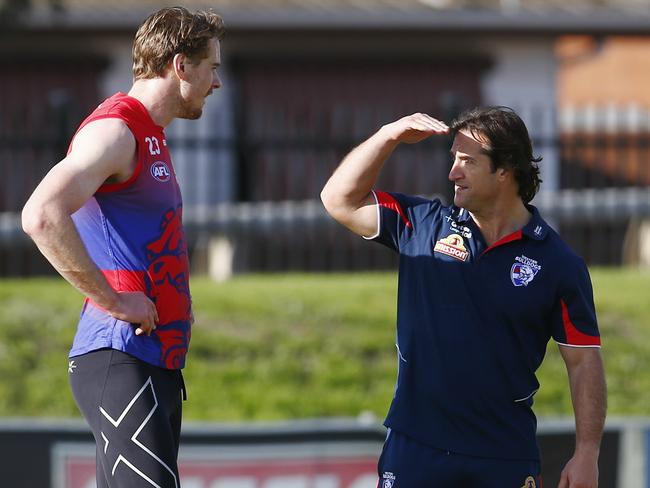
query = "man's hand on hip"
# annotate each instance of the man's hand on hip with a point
(137, 308)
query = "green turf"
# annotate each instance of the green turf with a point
(297, 345)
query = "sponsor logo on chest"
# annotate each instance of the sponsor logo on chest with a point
(453, 246)
(160, 171)
(524, 270)
(457, 228)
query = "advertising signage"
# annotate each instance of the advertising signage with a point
(295, 465)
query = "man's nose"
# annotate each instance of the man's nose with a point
(216, 82)
(454, 172)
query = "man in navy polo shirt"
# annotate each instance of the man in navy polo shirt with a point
(483, 285)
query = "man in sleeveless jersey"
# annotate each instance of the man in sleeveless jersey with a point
(109, 219)
(484, 284)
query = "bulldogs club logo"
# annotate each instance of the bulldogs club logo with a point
(452, 245)
(160, 171)
(529, 483)
(168, 287)
(523, 271)
(387, 480)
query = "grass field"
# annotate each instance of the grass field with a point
(296, 346)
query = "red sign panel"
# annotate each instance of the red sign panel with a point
(201, 467)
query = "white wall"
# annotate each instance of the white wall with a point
(523, 77)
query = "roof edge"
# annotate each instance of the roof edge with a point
(520, 21)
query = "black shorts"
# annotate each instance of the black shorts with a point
(134, 412)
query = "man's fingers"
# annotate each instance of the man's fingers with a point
(430, 123)
(153, 311)
(564, 481)
(441, 126)
(143, 328)
(150, 325)
(155, 314)
(438, 126)
(138, 309)
(426, 127)
(146, 326)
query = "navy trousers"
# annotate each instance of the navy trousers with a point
(407, 463)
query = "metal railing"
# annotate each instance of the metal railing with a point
(300, 236)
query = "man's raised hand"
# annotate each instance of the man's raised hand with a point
(414, 128)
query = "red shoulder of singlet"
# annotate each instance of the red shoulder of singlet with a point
(135, 116)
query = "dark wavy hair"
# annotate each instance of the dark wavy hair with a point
(510, 144)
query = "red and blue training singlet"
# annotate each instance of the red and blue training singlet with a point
(133, 232)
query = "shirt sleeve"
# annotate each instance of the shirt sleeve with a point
(396, 218)
(574, 318)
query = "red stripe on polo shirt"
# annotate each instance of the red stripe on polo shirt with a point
(573, 336)
(387, 201)
(515, 236)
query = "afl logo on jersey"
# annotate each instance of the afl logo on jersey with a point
(160, 171)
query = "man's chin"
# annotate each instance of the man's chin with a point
(191, 115)
(189, 112)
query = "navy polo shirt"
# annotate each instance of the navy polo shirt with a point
(473, 323)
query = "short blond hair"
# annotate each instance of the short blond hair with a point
(171, 31)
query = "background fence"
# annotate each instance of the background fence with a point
(599, 200)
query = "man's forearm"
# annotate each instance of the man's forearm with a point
(588, 393)
(58, 240)
(359, 170)
(346, 195)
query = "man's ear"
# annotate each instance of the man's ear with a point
(179, 64)
(503, 173)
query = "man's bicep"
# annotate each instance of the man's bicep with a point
(66, 187)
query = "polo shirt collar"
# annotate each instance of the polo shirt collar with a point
(535, 229)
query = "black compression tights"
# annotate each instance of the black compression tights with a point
(134, 412)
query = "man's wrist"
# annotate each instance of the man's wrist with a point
(112, 300)
(388, 136)
(588, 450)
